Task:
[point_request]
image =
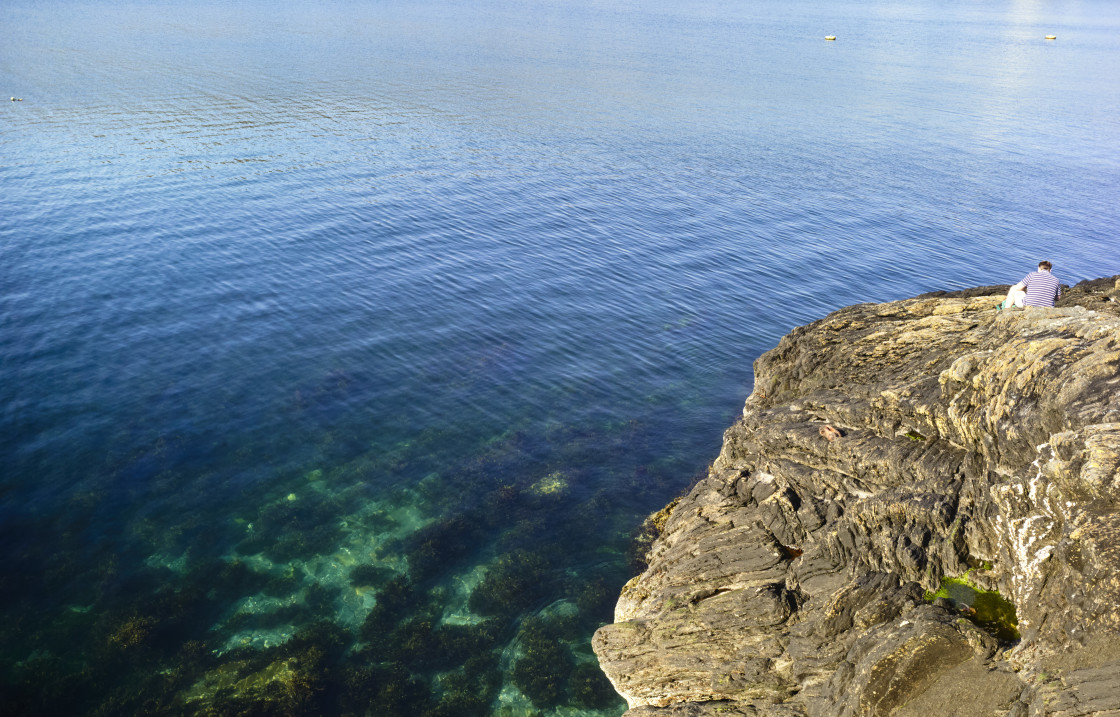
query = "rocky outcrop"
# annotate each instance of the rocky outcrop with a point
(884, 448)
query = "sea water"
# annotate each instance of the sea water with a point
(345, 345)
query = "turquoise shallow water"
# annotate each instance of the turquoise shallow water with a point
(343, 346)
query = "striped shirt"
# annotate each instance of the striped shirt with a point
(1042, 288)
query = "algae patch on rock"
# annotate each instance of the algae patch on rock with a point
(554, 484)
(986, 608)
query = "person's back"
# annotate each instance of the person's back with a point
(1038, 288)
(1043, 288)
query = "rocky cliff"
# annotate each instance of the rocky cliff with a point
(918, 513)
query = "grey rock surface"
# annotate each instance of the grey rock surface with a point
(885, 447)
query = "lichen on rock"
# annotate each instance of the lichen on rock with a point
(792, 579)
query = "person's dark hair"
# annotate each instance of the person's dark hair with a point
(1045, 265)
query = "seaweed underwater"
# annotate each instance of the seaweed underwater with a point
(469, 591)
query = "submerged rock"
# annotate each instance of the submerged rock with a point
(799, 577)
(554, 484)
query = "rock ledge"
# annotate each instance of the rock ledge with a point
(793, 579)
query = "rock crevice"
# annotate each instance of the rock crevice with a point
(884, 448)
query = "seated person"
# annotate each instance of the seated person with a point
(1038, 288)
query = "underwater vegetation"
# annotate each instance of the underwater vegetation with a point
(421, 643)
(590, 688)
(393, 601)
(544, 665)
(441, 545)
(985, 608)
(371, 575)
(404, 662)
(514, 583)
(473, 590)
(295, 526)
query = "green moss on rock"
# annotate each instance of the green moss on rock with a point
(986, 608)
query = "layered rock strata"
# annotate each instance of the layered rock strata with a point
(793, 579)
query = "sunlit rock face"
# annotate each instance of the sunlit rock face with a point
(797, 577)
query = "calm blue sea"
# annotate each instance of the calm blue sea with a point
(344, 345)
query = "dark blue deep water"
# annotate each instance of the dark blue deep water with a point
(345, 345)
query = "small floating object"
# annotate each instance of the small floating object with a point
(830, 37)
(1051, 37)
(17, 99)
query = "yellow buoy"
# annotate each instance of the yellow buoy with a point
(1051, 37)
(830, 37)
